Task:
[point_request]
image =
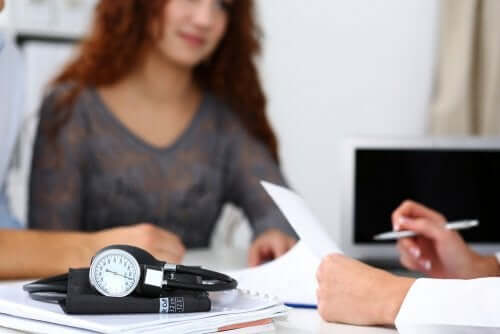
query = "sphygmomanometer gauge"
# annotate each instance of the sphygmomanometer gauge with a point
(114, 273)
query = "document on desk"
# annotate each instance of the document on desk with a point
(19, 311)
(291, 277)
(450, 306)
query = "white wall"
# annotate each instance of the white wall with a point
(337, 68)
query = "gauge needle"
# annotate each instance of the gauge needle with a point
(115, 273)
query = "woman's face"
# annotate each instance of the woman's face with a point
(192, 29)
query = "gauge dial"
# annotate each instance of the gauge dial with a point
(114, 273)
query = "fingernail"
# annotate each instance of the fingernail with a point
(403, 220)
(426, 264)
(415, 252)
(396, 227)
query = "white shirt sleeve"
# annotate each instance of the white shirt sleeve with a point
(451, 306)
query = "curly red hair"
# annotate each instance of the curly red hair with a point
(120, 34)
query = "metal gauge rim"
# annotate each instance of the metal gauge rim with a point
(110, 252)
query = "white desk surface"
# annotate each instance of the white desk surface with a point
(300, 321)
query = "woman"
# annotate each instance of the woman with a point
(352, 292)
(160, 118)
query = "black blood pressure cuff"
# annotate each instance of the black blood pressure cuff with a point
(81, 298)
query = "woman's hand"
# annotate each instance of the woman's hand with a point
(162, 244)
(437, 251)
(269, 245)
(355, 293)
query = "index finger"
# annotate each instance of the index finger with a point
(426, 228)
(411, 209)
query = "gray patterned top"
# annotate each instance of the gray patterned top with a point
(108, 177)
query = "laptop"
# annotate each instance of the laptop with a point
(459, 177)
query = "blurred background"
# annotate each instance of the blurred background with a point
(332, 69)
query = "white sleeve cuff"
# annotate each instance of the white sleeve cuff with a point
(445, 306)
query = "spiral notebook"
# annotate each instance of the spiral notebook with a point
(18, 311)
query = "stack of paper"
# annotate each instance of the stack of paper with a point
(19, 311)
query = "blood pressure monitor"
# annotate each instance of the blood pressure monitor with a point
(127, 271)
(122, 270)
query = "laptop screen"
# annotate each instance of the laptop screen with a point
(461, 184)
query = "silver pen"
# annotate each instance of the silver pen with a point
(457, 225)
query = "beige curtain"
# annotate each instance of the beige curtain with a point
(466, 97)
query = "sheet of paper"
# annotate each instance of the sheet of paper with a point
(34, 326)
(451, 306)
(307, 226)
(291, 278)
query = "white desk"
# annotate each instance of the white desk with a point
(300, 321)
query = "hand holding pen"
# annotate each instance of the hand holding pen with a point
(436, 250)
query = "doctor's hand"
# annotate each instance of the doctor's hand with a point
(269, 245)
(437, 251)
(352, 292)
(162, 244)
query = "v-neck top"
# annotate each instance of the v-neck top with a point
(101, 175)
(126, 132)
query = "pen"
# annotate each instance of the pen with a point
(295, 305)
(458, 225)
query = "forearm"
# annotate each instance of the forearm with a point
(32, 254)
